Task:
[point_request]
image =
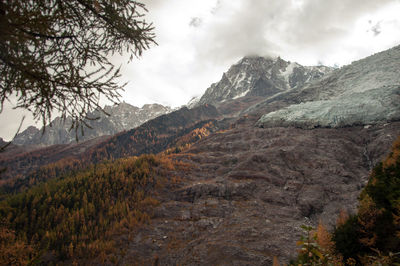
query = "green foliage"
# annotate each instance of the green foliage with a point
(316, 248)
(346, 239)
(374, 231)
(77, 217)
(384, 187)
(309, 253)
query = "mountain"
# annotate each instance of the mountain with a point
(363, 93)
(121, 117)
(193, 102)
(259, 76)
(252, 186)
(2, 142)
(225, 187)
(29, 135)
(247, 191)
(158, 134)
(167, 131)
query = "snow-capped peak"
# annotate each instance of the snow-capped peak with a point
(258, 76)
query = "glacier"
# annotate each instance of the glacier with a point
(364, 92)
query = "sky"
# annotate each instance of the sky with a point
(198, 40)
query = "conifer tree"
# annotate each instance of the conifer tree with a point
(55, 55)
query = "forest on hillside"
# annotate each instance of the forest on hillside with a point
(80, 216)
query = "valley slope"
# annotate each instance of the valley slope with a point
(256, 165)
(252, 186)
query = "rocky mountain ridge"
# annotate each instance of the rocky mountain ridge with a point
(259, 76)
(121, 117)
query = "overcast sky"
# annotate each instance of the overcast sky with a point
(199, 39)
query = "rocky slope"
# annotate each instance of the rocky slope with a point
(250, 189)
(122, 117)
(259, 76)
(365, 92)
(246, 189)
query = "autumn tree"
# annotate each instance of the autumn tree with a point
(14, 251)
(370, 237)
(373, 234)
(55, 55)
(80, 215)
(316, 248)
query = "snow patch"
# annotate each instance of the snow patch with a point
(193, 102)
(288, 71)
(239, 78)
(241, 94)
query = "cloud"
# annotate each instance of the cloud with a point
(217, 6)
(152, 5)
(195, 22)
(270, 27)
(199, 40)
(10, 119)
(376, 29)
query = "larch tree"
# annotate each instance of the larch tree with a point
(55, 54)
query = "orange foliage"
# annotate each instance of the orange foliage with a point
(324, 238)
(149, 202)
(13, 251)
(394, 155)
(186, 141)
(317, 248)
(166, 162)
(367, 216)
(342, 218)
(275, 261)
(79, 215)
(327, 246)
